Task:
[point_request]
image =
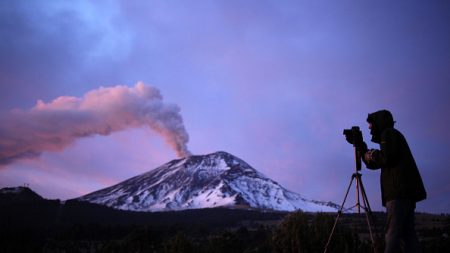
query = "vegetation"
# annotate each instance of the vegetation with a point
(81, 227)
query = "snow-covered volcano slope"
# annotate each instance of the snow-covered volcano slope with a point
(205, 181)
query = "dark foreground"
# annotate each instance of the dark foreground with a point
(38, 225)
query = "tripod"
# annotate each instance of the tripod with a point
(359, 192)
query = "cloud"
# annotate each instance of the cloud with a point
(55, 125)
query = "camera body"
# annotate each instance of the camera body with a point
(354, 136)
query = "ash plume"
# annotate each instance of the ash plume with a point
(55, 125)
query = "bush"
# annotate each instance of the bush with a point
(304, 233)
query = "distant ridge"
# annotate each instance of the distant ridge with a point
(20, 194)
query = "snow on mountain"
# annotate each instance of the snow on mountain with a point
(215, 180)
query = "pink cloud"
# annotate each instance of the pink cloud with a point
(56, 125)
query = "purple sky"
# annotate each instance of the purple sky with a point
(272, 82)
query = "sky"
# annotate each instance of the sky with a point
(95, 92)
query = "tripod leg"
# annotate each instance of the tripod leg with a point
(338, 215)
(368, 211)
(363, 193)
(358, 203)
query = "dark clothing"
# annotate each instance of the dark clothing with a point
(400, 231)
(400, 180)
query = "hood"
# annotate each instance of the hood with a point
(380, 120)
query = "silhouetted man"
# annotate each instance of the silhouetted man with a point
(401, 183)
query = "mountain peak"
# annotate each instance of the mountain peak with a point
(202, 181)
(216, 155)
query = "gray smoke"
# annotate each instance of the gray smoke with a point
(55, 125)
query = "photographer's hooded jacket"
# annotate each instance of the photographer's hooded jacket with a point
(400, 178)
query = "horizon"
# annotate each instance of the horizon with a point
(96, 93)
(347, 206)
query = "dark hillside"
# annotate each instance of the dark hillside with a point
(33, 224)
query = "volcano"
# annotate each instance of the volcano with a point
(204, 181)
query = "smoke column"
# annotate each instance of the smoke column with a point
(55, 125)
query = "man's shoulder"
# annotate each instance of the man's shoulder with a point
(391, 133)
(391, 130)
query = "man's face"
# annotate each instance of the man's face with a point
(372, 128)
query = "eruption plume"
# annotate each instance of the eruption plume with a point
(55, 125)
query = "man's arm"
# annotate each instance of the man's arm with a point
(388, 153)
(366, 154)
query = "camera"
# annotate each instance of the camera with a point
(354, 136)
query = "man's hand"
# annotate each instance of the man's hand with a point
(368, 156)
